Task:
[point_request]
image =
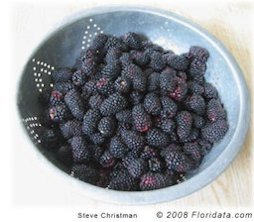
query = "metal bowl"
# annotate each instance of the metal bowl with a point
(63, 45)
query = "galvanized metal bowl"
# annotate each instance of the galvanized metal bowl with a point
(63, 45)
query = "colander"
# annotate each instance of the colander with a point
(62, 46)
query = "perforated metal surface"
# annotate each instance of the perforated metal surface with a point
(62, 47)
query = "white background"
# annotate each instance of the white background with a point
(29, 190)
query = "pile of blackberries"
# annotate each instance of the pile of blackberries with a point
(130, 115)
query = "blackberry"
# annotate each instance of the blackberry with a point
(125, 59)
(122, 85)
(210, 92)
(107, 159)
(78, 78)
(176, 160)
(178, 62)
(167, 126)
(107, 126)
(122, 180)
(148, 153)
(105, 86)
(157, 138)
(153, 81)
(114, 42)
(99, 41)
(197, 68)
(71, 128)
(62, 75)
(113, 54)
(141, 119)
(63, 87)
(152, 104)
(136, 97)
(157, 62)
(205, 146)
(135, 166)
(215, 111)
(89, 88)
(113, 104)
(199, 53)
(124, 116)
(59, 113)
(97, 138)
(140, 58)
(196, 104)
(169, 107)
(95, 101)
(90, 121)
(167, 81)
(200, 79)
(153, 181)
(74, 103)
(139, 82)
(117, 147)
(198, 121)
(56, 98)
(88, 67)
(132, 40)
(193, 149)
(155, 164)
(132, 140)
(184, 124)
(195, 88)
(64, 154)
(80, 150)
(214, 132)
(85, 173)
(111, 70)
(129, 71)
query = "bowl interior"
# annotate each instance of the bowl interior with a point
(65, 44)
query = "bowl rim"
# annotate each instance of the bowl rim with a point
(196, 182)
